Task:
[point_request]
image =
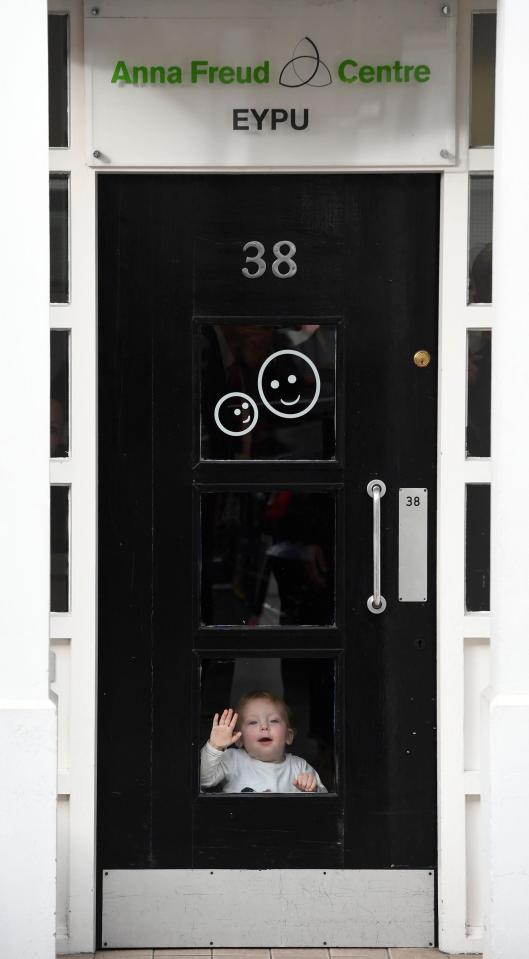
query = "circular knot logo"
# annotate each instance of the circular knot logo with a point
(306, 68)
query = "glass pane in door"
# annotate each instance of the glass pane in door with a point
(302, 690)
(268, 558)
(268, 391)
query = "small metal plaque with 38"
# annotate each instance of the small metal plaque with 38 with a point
(413, 544)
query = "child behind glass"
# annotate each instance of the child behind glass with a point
(261, 728)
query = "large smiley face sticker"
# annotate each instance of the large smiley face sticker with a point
(236, 414)
(289, 384)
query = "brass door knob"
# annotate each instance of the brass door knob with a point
(421, 358)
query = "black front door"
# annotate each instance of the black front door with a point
(257, 337)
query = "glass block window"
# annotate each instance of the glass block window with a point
(477, 548)
(58, 79)
(483, 79)
(59, 548)
(478, 392)
(59, 392)
(480, 239)
(59, 238)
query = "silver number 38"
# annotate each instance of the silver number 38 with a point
(280, 257)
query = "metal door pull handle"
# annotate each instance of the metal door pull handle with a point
(376, 489)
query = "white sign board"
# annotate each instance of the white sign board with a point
(290, 83)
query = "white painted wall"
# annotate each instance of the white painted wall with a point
(507, 730)
(27, 716)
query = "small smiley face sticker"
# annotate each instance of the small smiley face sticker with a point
(289, 383)
(236, 414)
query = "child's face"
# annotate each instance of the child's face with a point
(265, 731)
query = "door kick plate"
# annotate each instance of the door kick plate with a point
(146, 908)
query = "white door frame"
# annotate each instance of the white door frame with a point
(462, 639)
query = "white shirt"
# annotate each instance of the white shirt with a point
(238, 772)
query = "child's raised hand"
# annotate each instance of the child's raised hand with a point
(306, 782)
(222, 734)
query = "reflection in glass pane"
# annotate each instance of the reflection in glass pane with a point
(58, 79)
(59, 398)
(478, 392)
(305, 689)
(59, 536)
(483, 79)
(267, 392)
(480, 240)
(477, 559)
(268, 558)
(59, 291)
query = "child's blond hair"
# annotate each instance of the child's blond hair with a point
(265, 694)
